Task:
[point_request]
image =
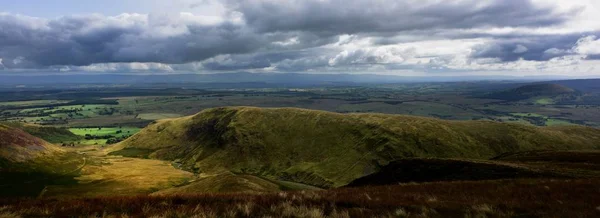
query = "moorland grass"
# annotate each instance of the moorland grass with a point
(505, 198)
(327, 149)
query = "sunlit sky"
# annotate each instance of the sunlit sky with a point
(408, 38)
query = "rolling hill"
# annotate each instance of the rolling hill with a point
(436, 170)
(532, 91)
(47, 133)
(28, 164)
(17, 146)
(327, 149)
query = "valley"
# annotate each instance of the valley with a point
(403, 150)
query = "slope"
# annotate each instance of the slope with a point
(47, 133)
(18, 146)
(28, 163)
(327, 149)
(531, 91)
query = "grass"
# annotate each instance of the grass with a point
(435, 170)
(105, 131)
(528, 115)
(133, 152)
(50, 134)
(32, 103)
(544, 101)
(558, 122)
(326, 149)
(517, 198)
(157, 116)
(118, 176)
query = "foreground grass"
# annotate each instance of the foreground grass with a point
(505, 198)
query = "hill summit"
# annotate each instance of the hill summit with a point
(531, 91)
(327, 149)
(543, 90)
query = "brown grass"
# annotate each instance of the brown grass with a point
(506, 198)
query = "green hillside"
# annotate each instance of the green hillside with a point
(17, 146)
(47, 133)
(330, 149)
(28, 164)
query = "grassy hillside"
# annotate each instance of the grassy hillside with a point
(49, 134)
(330, 149)
(17, 145)
(531, 91)
(28, 164)
(504, 198)
(434, 170)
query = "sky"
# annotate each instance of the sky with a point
(391, 37)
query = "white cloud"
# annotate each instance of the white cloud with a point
(589, 45)
(361, 36)
(520, 49)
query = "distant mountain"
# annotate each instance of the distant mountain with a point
(327, 149)
(531, 91)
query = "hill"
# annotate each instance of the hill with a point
(28, 164)
(585, 85)
(329, 149)
(532, 91)
(47, 133)
(513, 198)
(435, 170)
(17, 145)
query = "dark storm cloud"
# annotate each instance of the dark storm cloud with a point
(593, 57)
(84, 40)
(531, 48)
(280, 34)
(347, 17)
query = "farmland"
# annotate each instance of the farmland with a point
(387, 150)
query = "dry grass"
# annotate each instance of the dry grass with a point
(110, 175)
(509, 198)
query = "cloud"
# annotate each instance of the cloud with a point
(86, 40)
(520, 49)
(589, 46)
(536, 48)
(364, 16)
(372, 56)
(303, 35)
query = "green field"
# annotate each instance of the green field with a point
(101, 135)
(105, 131)
(544, 101)
(558, 122)
(32, 103)
(527, 115)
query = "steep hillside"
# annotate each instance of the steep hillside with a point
(18, 146)
(47, 133)
(330, 149)
(531, 91)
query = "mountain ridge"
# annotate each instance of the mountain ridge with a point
(328, 149)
